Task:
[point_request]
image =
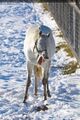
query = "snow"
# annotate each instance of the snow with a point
(64, 103)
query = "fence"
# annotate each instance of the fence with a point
(67, 15)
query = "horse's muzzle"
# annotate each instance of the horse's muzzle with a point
(42, 58)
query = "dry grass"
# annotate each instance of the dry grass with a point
(45, 7)
(60, 34)
(66, 48)
(71, 66)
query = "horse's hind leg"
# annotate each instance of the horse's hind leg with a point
(36, 80)
(28, 82)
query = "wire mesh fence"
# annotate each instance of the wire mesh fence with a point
(68, 19)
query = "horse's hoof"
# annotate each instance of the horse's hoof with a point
(49, 95)
(24, 101)
(35, 94)
(45, 98)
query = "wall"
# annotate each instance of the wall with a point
(67, 16)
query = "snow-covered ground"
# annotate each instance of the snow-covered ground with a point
(64, 103)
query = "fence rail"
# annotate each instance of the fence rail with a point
(67, 15)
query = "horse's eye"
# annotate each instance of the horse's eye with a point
(40, 51)
(40, 33)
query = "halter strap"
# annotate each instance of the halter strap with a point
(38, 51)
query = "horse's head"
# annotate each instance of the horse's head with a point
(41, 48)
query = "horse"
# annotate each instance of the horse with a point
(39, 48)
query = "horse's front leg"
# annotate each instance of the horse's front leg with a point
(44, 81)
(46, 87)
(47, 76)
(36, 86)
(48, 91)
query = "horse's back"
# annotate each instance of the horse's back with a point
(32, 35)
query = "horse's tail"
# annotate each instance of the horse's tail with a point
(38, 70)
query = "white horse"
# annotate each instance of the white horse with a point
(39, 47)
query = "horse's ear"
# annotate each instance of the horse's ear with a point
(40, 33)
(48, 34)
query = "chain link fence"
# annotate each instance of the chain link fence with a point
(67, 15)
